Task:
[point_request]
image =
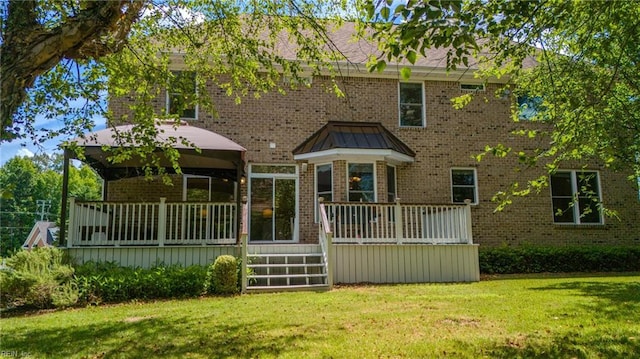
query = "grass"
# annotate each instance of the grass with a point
(502, 317)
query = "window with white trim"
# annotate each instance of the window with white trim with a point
(411, 104)
(196, 188)
(472, 87)
(324, 183)
(362, 183)
(576, 197)
(392, 193)
(464, 185)
(181, 95)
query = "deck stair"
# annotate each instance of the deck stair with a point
(276, 267)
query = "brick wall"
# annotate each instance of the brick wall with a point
(271, 126)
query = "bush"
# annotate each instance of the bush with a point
(37, 278)
(223, 275)
(108, 282)
(537, 259)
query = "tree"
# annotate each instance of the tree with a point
(63, 56)
(26, 180)
(580, 58)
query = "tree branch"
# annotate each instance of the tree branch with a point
(30, 50)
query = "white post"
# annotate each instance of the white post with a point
(399, 221)
(467, 210)
(162, 221)
(329, 260)
(244, 237)
(72, 222)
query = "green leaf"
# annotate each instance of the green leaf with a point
(405, 73)
(411, 57)
(384, 13)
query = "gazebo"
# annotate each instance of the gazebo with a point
(201, 152)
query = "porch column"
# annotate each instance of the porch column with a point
(65, 194)
(72, 222)
(239, 170)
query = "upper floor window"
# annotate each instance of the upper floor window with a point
(464, 185)
(181, 95)
(471, 87)
(361, 182)
(528, 106)
(411, 105)
(576, 197)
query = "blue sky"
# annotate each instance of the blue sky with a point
(26, 147)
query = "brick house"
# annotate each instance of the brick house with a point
(387, 149)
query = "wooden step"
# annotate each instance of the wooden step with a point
(274, 276)
(285, 265)
(292, 288)
(272, 255)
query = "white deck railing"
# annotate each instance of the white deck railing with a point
(399, 223)
(145, 223)
(325, 237)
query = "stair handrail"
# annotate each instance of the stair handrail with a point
(325, 237)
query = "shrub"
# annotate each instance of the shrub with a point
(537, 259)
(223, 275)
(108, 282)
(37, 278)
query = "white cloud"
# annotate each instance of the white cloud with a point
(24, 152)
(172, 16)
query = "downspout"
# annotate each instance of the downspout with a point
(65, 195)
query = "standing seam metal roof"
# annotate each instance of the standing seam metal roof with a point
(360, 135)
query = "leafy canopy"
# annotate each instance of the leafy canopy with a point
(67, 54)
(26, 183)
(579, 57)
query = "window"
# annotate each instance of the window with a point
(391, 184)
(181, 95)
(576, 197)
(208, 189)
(411, 104)
(528, 107)
(196, 188)
(472, 87)
(324, 183)
(463, 185)
(361, 182)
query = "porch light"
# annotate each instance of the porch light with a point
(267, 213)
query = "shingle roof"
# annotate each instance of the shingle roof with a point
(359, 135)
(357, 50)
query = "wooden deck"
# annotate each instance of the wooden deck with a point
(375, 243)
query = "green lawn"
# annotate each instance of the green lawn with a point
(508, 316)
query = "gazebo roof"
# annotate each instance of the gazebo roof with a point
(201, 151)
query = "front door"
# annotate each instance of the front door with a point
(273, 203)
